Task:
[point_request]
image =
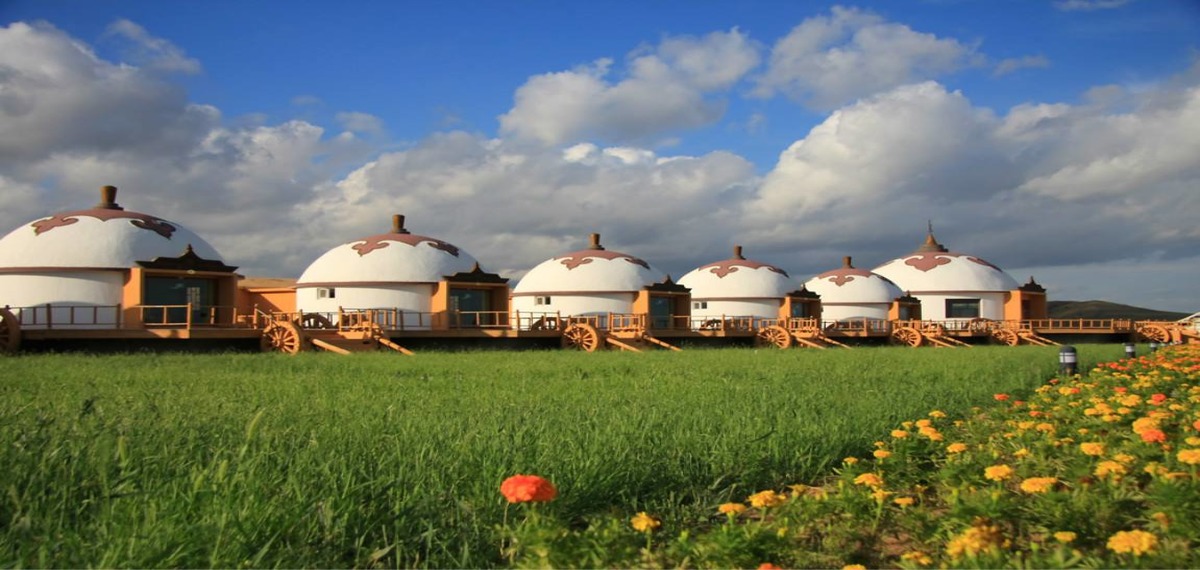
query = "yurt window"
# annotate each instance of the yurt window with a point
(699, 304)
(541, 300)
(326, 293)
(962, 308)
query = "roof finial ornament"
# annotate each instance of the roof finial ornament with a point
(596, 242)
(846, 262)
(398, 224)
(931, 243)
(737, 252)
(108, 199)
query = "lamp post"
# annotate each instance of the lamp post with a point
(1130, 350)
(1068, 361)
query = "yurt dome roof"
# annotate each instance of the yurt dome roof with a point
(593, 270)
(932, 267)
(394, 257)
(738, 278)
(105, 236)
(848, 284)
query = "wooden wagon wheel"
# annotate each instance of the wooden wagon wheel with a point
(581, 336)
(1156, 333)
(1005, 336)
(283, 337)
(10, 332)
(773, 335)
(314, 321)
(907, 335)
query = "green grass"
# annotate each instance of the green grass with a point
(156, 460)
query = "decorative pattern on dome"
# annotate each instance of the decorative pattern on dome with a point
(929, 261)
(367, 245)
(844, 275)
(575, 259)
(142, 221)
(723, 268)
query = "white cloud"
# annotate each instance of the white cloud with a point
(1012, 64)
(1088, 5)
(360, 123)
(151, 52)
(665, 89)
(828, 61)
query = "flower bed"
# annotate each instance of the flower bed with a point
(1094, 471)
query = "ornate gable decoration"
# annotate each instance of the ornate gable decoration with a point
(141, 221)
(476, 275)
(189, 261)
(584, 257)
(373, 243)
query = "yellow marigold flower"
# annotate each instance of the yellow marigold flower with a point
(1131, 400)
(1124, 458)
(956, 447)
(870, 480)
(882, 454)
(1106, 468)
(899, 434)
(1155, 468)
(643, 522)
(850, 460)
(1034, 485)
(1064, 536)
(1123, 410)
(998, 472)
(767, 498)
(1020, 453)
(1092, 448)
(1144, 424)
(798, 489)
(1083, 431)
(923, 423)
(1193, 440)
(880, 495)
(973, 541)
(1188, 456)
(904, 501)
(1162, 519)
(1045, 427)
(937, 414)
(854, 567)
(907, 425)
(731, 508)
(1135, 542)
(880, 444)
(917, 557)
(1027, 425)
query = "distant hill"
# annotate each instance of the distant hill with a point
(1106, 310)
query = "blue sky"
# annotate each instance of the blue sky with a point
(1051, 138)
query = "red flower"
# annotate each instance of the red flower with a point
(1120, 389)
(1000, 397)
(1153, 436)
(526, 488)
(1158, 399)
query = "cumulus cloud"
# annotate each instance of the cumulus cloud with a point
(151, 52)
(664, 89)
(360, 122)
(1088, 5)
(1007, 66)
(828, 61)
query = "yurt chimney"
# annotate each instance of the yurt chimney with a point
(737, 252)
(108, 198)
(595, 242)
(846, 262)
(398, 224)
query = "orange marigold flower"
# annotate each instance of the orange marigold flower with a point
(854, 567)
(923, 423)
(937, 414)
(1034, 485)
(956, 447)
(882, 454)
(1064, 536)
(917, 557)
(768, 566)
(904, 501)
(1000, 397)
(850, 460)
(528, 488)
(1153, 436)
(1021, 453)
(1143, 424)
(643, 522)
(1135, 542)
(766, 498)
(1189, 456)
(1106, 468)
(998, 472)
(1162, 519)
(899, 434)
(731, 508)
(1092, 448)
(869, 479)
(973, 541)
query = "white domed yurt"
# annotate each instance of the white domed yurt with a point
(596, 282)
(739, 287)
(959, 287)
(107, 267)
(850, 293)
(413, 282)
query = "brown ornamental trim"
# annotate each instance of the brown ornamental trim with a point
(476, 275)
(377, 242)
(189, 261)
(929, 261)
(668, 285)
(138, 220)
(1032, 287)
(723, 268)
(586, 256)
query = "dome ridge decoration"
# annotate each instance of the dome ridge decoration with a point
(731, 265)
(399, 235)
(106, 210)
(846, 273)
(596, 251)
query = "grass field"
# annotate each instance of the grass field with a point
(155, 460)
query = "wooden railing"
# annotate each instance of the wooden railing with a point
(52, 316)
